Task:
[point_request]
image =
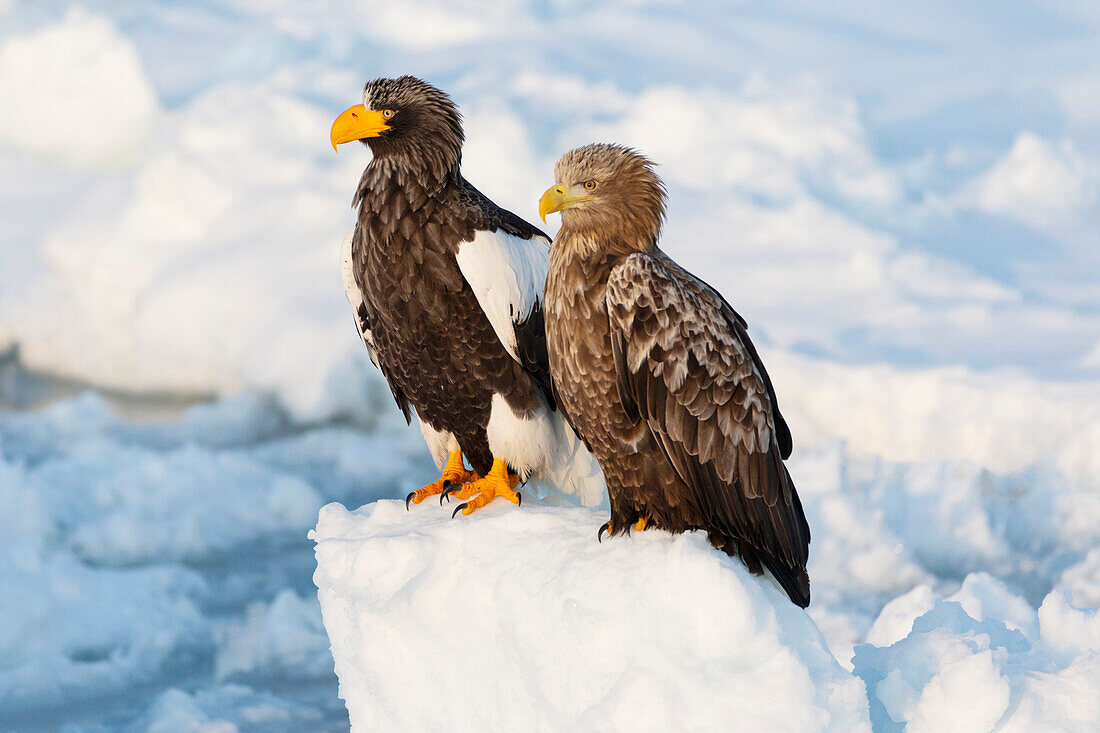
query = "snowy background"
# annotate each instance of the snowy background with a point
(903, 202)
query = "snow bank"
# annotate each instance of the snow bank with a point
(208, 263)
(519, 619)
(226, 709)
(957, 671)
(75, 92)
(894, 544)
(197, 525)
(982, 597)
(139, 502)
(1006, 422)
(141, 556)
(208, 267)
(949, 517)
(72, 633)
(898, 534)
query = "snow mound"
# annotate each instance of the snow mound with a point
(1083, 580)
(520, 620)
(76, 92)
(946, 413)
(982, 597)
(73, 634)
(143, 497)
(284, 637)
(957, 672)
(215, 711)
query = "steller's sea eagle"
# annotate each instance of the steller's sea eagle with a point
(446, 288)
(659, 378)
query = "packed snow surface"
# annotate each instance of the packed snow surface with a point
(520, 620)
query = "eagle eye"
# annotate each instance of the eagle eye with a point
(388, 113)
(589, 185)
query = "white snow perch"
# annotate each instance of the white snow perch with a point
(519, 620)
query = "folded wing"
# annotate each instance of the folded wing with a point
(685, 365)
(362, 320)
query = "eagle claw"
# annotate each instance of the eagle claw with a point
(448, 489)
(606, 527)
(408, 499)
(459, 508)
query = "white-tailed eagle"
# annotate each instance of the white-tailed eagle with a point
(659, 378)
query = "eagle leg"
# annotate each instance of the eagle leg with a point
(609, 527)
(498, 482)
(453, 473)
(623, 519)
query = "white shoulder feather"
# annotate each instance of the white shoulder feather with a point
(508, 276)
(355, 296)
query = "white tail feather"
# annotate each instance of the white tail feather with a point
(572, 469)
(545, 452)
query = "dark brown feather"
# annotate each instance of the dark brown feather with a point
(433, 342)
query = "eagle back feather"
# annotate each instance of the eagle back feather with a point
(685, 365)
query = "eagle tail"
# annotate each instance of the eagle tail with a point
(792, 529)
(796, 581)
(572, 469)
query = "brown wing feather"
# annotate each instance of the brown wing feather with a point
(685, 365)
(741, 327)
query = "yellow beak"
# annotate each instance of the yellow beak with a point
(556, 199)
(356, 123)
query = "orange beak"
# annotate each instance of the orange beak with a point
(356, 123)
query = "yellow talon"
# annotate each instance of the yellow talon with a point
(498, 482)
(453, 473)
(641, 524)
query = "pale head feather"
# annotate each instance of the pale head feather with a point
(628, 205)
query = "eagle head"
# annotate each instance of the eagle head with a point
(609, 190)
(406, 120)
